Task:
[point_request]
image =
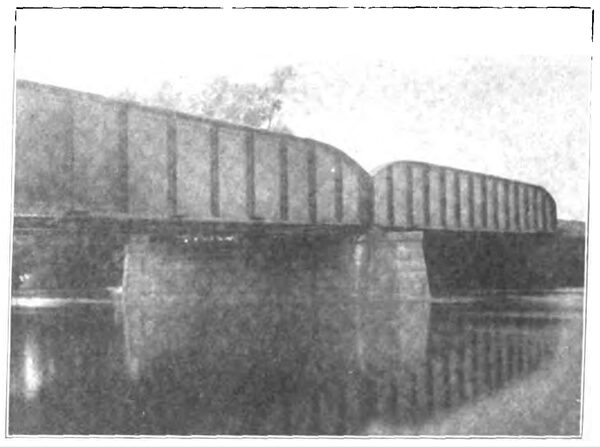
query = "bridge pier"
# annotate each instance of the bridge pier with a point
(268, 315)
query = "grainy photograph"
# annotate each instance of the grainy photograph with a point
(339, 222)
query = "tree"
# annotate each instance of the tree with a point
(250, 104)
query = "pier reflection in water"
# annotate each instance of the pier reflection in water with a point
(68, 376)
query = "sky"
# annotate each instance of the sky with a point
(504, 92)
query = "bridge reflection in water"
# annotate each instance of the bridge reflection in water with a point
(68, 375)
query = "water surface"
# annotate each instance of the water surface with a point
(69, 374)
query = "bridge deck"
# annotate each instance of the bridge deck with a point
(26, 224)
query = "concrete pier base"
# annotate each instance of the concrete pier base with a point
(254, 319)
(395, 302)
(362, 299)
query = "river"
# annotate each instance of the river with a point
(507, 363)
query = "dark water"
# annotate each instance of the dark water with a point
(68, 375)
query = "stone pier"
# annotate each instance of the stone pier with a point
(278, 309)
